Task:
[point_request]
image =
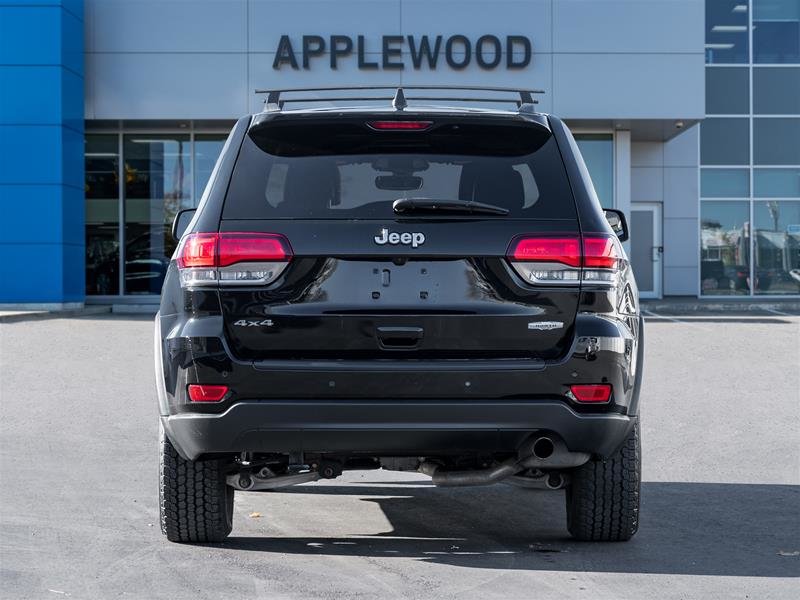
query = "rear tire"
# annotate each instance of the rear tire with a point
(603, 495)
(195, 503)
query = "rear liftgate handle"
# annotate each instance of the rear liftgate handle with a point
(399, 338)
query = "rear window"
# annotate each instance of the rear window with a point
(346, 171)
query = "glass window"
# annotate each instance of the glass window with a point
(726, 32)
(725, 142)
(776, 90)
(101, 155)
(206, 150)
(777, 247)
(776, 31)
(598, 154)
(776, 183)
(727, 91)
(776, 141)
(157, 185)
(319, 176)
(724, 247)
(724, 183)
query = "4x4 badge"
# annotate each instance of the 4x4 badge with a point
(406, 238)
(249, 323)
(545, 325)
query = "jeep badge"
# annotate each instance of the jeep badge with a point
(407, 239)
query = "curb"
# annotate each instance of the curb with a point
(41, 315)
(788, 307)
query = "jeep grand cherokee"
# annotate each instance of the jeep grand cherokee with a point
(412, 286)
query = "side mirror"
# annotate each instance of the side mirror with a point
(616, 218)
(181, 222)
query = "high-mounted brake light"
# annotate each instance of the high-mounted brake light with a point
(597, 392)
(234, 258)
(207, 393)
(566, 259)
(400, 125)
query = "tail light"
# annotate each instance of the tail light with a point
(571, 259)
(232, 258)
(597, 392)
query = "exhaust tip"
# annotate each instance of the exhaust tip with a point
(543, 447)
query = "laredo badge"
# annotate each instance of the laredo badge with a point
(545, 325)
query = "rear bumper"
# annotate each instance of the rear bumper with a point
(391, 427)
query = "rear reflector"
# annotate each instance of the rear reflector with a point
(234, 258)
(400, 125)
(598, 392)
(207, 393)
(566, 259)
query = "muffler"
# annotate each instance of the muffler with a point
(466, 478)
(547, 452)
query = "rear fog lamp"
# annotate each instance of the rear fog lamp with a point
(207, 393)
(596, 392)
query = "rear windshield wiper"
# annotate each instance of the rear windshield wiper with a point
(415, 205)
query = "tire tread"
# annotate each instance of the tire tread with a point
(603, 495)
(195, 503)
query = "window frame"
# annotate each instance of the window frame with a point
(751, 199)
(122, 129)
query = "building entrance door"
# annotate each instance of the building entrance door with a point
(646, 247)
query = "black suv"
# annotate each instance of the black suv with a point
(404, 287)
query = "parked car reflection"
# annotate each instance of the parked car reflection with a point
(145, 264)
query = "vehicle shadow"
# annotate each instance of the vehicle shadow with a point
(687, 528)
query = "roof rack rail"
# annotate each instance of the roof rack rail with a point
(399, 99)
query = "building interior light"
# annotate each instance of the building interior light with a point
(719, 46)
(739, 8)
(729, 28)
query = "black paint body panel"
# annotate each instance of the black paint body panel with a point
(376, 349)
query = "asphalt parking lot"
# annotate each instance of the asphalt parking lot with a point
(720, 505)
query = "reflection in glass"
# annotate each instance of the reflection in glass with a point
(727, 90)
(776, 183)
(101, 156)
(725, 248)
(207, 148)
(598, 154)
(776, 90)
(725, 141)
(724, 183)
(776, 141)
(777, 247)
(726, 31)
(776, 31)
(157, 185)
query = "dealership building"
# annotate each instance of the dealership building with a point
(113, 112)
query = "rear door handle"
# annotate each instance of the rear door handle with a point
(399, 338)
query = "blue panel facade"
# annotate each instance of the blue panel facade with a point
(41, 152)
